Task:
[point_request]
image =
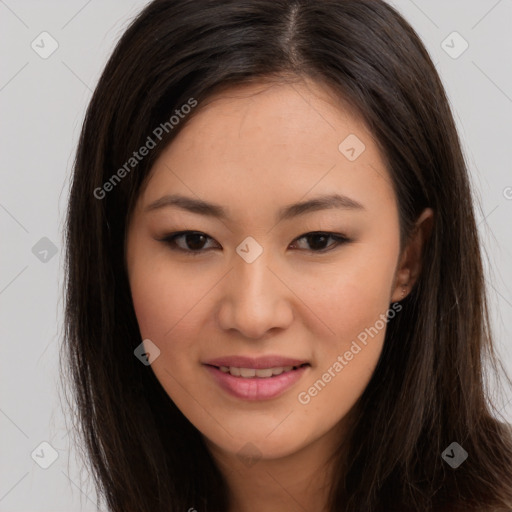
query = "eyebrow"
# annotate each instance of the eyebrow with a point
(201, 207)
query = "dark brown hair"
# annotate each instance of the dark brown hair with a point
(428, 389)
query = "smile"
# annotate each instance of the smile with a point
(256, 384)
(261, 373)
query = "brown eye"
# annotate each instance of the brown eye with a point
(193, 242)
(317, 241)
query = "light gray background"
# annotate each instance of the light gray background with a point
(42, 105)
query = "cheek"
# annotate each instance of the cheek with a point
(160, 293)
(354, 296)
(170, 308)
(353, 302)
(155, 302)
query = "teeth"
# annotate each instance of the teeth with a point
(247, 372)
(251, 372)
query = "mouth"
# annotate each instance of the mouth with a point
(265, 382)
(260, 373)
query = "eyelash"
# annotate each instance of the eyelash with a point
(171, 238)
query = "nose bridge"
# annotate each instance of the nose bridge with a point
(254, 299)
(251, 266)
(253, 278)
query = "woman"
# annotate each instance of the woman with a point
(275, 297)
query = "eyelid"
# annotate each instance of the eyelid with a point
(170, 241)
(339, 238)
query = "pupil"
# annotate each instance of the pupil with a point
(316, 246)
(195, 240)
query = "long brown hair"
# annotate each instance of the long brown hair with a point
(428, 389)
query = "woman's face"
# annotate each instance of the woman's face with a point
(251, 284)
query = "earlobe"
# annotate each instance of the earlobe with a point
(411, 261)
(402, 285)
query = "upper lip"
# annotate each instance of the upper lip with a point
(255, 362)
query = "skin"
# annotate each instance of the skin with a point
(254, 149)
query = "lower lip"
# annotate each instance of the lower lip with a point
(256, 388)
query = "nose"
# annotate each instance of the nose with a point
(255, 299)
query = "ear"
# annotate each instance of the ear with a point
(410, 263)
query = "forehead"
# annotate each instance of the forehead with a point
(273, 142)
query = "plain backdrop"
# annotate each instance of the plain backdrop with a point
(42, 102)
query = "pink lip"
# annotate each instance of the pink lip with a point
(256, 363)
(256, 388)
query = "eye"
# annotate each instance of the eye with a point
(194, 241)
(317, 240)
